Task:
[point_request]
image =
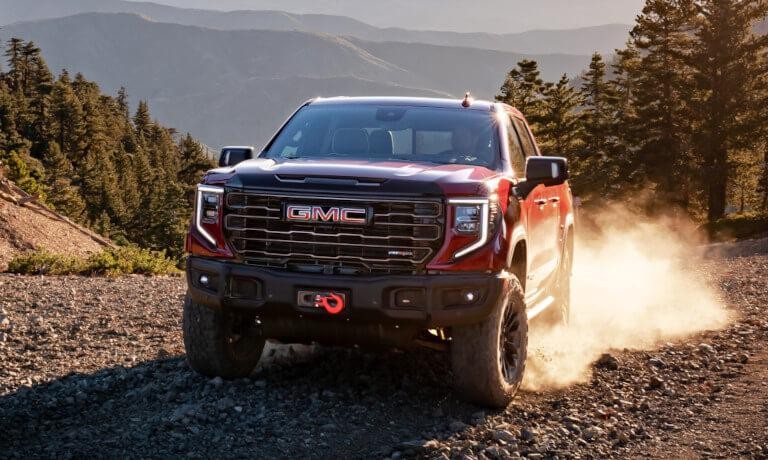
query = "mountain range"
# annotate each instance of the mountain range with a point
(237, 86)
(495, 16)
(603, 38)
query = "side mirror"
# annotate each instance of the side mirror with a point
(546, 170)
(230, 156)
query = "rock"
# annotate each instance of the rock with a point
(5, 322)
(183, 411)
(496, 452)
(224, 404)
(216, 382)
(415, 444)
(478, 418)
(527, 435)
(504, 437)
(607, 361)
(656, 382)
(457, 426)
(591, 433)
(706, 348)
(743, 358)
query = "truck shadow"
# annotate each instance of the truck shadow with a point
(313, 402)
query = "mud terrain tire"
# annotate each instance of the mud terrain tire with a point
(213, 346)
(488, 359)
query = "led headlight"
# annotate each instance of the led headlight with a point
(471, 217)
(207, 209)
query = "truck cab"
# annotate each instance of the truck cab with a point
(393, 222)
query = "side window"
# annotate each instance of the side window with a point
(525, 138)
(516, 155)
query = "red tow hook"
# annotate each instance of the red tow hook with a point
(325, 302)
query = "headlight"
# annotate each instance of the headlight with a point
(471, 217)
(208, 209)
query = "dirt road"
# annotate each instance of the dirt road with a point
(95, 368)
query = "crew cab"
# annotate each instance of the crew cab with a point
(395, 222)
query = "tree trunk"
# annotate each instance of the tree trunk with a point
(718, 185)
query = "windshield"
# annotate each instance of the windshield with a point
(388, 132)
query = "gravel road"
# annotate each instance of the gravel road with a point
(94, 368)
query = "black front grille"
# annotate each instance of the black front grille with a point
(402, 235)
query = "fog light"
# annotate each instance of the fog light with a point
(204, 280)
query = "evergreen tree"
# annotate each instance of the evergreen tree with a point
(730, 70)
(561, 125)
(61, 193)
(663, 37)
(524, 90)
(126, 177)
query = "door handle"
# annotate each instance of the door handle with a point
(554, 200)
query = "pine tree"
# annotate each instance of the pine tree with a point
(561, 125)
(67, 126)
(663, 37)
(729, 74)
(194, 161)
(598, 109)
(61, 193)
(142, 121)
(523, 89)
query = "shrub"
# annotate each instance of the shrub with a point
(109, 262)
(738, 226)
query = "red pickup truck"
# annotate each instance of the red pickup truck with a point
(395, 222)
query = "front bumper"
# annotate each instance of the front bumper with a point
(436, 300)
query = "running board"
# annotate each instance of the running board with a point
(537, 309)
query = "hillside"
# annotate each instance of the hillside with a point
(27, 225)
(603, 38)
(249, 81)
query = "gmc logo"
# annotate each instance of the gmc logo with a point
(335, 214)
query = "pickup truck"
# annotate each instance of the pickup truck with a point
(395, 222)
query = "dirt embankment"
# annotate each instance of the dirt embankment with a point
(94, 367)
(27, 225)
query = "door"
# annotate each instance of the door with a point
(543, 219)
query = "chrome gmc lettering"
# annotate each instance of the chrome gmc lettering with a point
(298, 213)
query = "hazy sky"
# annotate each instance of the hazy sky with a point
(497, 16)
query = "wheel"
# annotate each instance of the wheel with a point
(488, 359)
(214, 344)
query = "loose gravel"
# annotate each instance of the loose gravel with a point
(94, 367)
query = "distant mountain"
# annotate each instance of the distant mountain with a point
(604, 38)
(232, 87)
(495, 16)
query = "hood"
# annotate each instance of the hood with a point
(385, 177)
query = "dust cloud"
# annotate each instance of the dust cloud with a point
(635, 285)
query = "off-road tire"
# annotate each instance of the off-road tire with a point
(213, 346)
(476, 352)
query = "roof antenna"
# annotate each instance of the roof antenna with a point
(467, 100)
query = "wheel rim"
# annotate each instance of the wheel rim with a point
(511, 342)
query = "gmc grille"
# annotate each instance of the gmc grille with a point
(401, 237)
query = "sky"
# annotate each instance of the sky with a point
(496, 16)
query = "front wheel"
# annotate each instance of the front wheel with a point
(216, 342)
(488, 359)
